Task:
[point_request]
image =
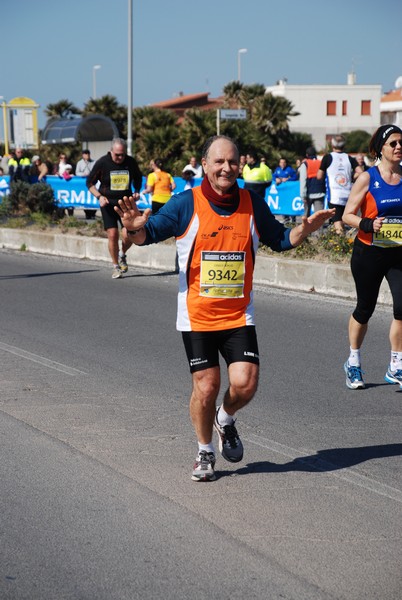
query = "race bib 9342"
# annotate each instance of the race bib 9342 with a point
(222, 274)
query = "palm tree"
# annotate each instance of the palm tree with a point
(271, 113)
(249, 94)
(108, 106)
(197, 126)
(156, 135)
(63, 109)
(232, 91)
(238, 95)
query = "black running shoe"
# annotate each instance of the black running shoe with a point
(123, 264)
(230, 445)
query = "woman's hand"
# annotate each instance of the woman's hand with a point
(377, 224)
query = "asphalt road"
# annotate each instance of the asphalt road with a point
(96, 498)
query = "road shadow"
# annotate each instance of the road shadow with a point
(382, 384)
(158, 274)
(31, 275)
(331, 459)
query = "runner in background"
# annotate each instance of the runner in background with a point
(160, 184)
(117, 174)
(338, 169)
(375, 209)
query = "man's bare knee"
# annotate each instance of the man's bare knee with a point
(206, 385)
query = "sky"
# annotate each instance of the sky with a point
(49, 48)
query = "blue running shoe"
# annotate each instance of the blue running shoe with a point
(354, 379)
(391, 377)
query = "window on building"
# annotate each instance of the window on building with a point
(344, 108)
(331, 108)
(366, 107)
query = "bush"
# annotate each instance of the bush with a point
(25, 199)
(328, 246)
(339, 246)
(18, 196)
(41, 199)
(5, 206)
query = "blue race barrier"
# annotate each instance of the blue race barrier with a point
(283, 199)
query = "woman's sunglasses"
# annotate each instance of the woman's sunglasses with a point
(394, 143)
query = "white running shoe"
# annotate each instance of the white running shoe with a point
(354, 377)
(204, 467)
(395, 377)
(116, 273)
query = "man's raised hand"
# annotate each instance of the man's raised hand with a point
(130, 214)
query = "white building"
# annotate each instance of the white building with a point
(391, 106)
(326, 110)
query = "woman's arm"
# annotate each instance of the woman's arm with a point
(356, 197)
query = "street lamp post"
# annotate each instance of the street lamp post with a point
(239, 52)
(5, 127)
(94, 69)
(130, 80)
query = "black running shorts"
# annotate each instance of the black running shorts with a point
(110, 217)
(235, 345)
(339, 210)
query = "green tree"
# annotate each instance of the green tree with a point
(63, 109)
(249, 94)
(231, 92)
(109, 107)
(197, 126)
(238, 95)
(293, 145)
(156, 135)
(267, 128)
(272, 113)
(357, 141)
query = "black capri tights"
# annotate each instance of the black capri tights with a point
(370, 265)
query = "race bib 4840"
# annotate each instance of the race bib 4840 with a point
(390, 233)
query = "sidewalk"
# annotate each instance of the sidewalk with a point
(330, 279)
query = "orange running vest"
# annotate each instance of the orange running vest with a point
(216, 259)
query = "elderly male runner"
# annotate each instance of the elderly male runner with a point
(217, 227)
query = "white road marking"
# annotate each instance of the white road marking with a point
(41, 360)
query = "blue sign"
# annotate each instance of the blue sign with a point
(283, 199)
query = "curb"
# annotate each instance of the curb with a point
(329, 279)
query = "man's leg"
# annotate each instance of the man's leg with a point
(338, 223)
(206, 386)
(113, 244)
(125, 246)
(318, 205)
(307, 206)
(243, 383)
(339, 227)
